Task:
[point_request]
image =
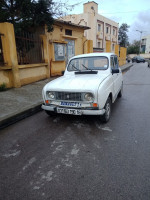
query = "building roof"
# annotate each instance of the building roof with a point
(90, 2)
(69, 23)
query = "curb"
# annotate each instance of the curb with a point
(126, 68)
(21, 115)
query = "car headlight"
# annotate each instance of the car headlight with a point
(88, 97)
(51, 95)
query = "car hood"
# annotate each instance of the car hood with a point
(80, 82)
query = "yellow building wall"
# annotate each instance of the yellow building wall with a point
(58, 36)
(88, 46)
(10, 55)
(57, 67)
(32, 73)
(117, 50)
(123, 54)
(14, 75)
(108, 46)
(8, 43)
(6, 77)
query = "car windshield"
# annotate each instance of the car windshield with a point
(88, 63)
(139, 57)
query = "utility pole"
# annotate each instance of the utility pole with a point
(140, 40)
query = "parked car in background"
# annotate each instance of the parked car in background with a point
(148, 62)
(138, 59)
(89, 86)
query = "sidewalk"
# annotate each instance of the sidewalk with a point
(18, 103)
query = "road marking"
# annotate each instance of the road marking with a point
(74, 150)
(31, 161)
(13, 153)
(48, 177)
(103, 128)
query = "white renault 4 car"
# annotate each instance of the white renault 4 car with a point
(89, 86)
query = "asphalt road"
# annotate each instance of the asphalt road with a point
(79, 158)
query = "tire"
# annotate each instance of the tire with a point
(106, 116)
(50, 113)
(120, 92)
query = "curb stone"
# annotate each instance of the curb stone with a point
(20, 115)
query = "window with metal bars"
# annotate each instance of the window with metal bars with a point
(29, 48)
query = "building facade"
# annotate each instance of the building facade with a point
(24, 61)
(103, 30)
(66, 41)
(145, 44)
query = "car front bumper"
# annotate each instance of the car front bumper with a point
(88, 111)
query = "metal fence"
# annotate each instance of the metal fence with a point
(1, 51)
(29, 48)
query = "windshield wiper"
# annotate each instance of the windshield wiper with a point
(86, 67)
(75, 68)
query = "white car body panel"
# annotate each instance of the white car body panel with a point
(101, 85)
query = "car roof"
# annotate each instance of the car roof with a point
(93, 55)
(138, 56)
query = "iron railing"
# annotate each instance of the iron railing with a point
(29, 48)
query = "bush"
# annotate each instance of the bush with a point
(3, 87)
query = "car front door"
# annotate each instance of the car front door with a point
(117, 77)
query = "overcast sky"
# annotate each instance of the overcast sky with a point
(136, 13)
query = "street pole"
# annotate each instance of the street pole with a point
(140, 40)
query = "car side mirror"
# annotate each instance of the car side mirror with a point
(62, 72)
(115, 71)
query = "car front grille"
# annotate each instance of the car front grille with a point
(69, 96)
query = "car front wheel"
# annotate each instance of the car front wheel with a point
(106, 116)
(50, 113)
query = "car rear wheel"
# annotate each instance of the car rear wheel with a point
(106, 116)
(120, 92)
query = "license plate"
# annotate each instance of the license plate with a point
(70, 104)
(69, 111)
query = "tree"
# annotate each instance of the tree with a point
(27, 13)
(133, 48)
(123, 37)
(24, 14)
(61, 9)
